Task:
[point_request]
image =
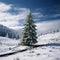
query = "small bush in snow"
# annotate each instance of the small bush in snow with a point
(38, 54)
(31, 52)
(9, 48)
(50, 50)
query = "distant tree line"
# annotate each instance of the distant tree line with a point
(53, 31)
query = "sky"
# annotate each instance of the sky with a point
(46, 13)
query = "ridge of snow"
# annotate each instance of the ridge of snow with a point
(49, 38)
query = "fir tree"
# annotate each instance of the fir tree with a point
(29, 33)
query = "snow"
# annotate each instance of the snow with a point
(39, 53)
(6, 43)
(49, 38)
(14, 49)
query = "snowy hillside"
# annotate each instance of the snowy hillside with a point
(4, 31)
(40, 53)
(6, 43)
(49, 38)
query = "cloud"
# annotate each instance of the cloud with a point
(4, 7)
(17, 27)
(7, 18)
(37, 14)
(40, 17)
(56, 15)
(10, 23)
(46, 26)
(49, 13)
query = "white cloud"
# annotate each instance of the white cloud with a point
(37, 14)
(10, 23)
(56, 15)
(47, 26)
(4, 7)
(17, 27)
(22, 9)
(7, 18)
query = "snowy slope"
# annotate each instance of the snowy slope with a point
(40, 53)
(6, 43)
(49, 38)
(4, 31)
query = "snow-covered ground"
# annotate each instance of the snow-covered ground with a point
(49, 38)
(39, 53)
(6, 44)
(8, 41)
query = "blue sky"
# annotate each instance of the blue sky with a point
(47, 8)
(13, 12)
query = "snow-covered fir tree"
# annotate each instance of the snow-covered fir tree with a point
(29, 33)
